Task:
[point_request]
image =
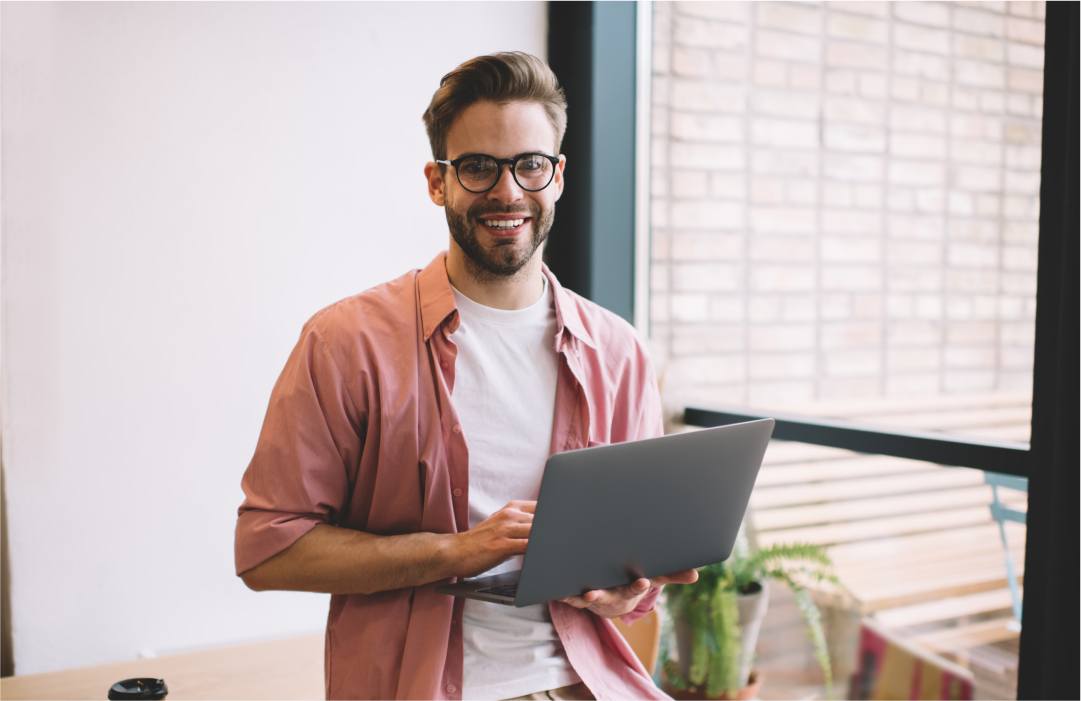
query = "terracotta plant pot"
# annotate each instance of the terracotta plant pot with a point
(754, 685)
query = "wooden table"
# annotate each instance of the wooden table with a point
(278, 669)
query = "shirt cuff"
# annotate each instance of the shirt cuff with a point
(260, 535)
(645, 606)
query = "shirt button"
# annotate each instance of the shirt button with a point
(457, 428)
(576, 352)
(444, 364)
(457, 492)
(451, 688)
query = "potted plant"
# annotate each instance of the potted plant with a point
(715, 621)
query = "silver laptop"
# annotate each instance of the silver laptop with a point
(609, 515)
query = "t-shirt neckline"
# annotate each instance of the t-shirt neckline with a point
(538, 311)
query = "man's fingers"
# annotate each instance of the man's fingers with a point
(610, 602)
(605, 597)
(684, 577)
(517, 546)
(530, 507)
(518, 530)
(596, 596)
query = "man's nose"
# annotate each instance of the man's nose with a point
(506, 189)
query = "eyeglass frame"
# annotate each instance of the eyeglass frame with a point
(512, 162)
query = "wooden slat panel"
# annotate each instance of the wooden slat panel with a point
(780, 452)
(847, 468)
(868, 529)
(951, 421)
(883, 570)
(910, 572)
(915, 547)
(923, 573)
(941, 478)
(890, 406)
(1020, 432)
(958, 584)
(967, 637)
(946, 609)
(852, 510)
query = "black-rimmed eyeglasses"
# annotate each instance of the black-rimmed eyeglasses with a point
(479, 172)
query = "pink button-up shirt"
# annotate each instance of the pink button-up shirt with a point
(361, 433)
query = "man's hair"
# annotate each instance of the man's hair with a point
(501, 78)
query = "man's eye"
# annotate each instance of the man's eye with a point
(531, 163)
(474, 167)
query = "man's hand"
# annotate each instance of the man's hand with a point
(619, 601)
(494, 540)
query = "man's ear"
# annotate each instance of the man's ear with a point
(434, 175)
(559, 176)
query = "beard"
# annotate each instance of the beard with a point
(507, 257)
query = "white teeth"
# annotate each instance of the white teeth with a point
(503, 223)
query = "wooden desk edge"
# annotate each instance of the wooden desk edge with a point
(290, 668)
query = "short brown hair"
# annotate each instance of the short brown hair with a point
(500, 78)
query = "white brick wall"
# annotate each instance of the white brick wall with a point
(845, 197)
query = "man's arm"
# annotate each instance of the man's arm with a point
(344, 561)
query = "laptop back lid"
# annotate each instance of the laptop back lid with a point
(609, 515)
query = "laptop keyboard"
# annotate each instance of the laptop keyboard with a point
(505, 590)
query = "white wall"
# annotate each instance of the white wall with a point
(183, 185)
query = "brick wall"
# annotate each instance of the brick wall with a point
(845, 198)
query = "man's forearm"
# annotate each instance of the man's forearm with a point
(343, 561)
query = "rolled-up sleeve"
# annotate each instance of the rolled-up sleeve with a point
(309, 445)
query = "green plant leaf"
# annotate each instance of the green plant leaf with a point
(813, 617)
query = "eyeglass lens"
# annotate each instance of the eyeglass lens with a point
(478, 173)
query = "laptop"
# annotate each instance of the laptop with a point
(609, 515)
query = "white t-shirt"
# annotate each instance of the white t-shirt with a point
(504, 391)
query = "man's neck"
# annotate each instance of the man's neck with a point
(517, 291)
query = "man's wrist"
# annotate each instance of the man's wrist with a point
(445, 557)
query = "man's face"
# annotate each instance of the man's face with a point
(501, 131)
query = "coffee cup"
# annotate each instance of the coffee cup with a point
(138, 689)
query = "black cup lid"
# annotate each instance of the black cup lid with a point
(141, 688)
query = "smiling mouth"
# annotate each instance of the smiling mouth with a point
(504, 224)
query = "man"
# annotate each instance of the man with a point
(406, 438)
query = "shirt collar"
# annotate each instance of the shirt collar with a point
(567, 316)
(436, 297)
(437, 302)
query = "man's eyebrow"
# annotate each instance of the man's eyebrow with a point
(478, 153)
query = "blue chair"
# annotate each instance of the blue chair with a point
(1001, 514)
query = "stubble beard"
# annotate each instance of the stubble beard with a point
(508, 257)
